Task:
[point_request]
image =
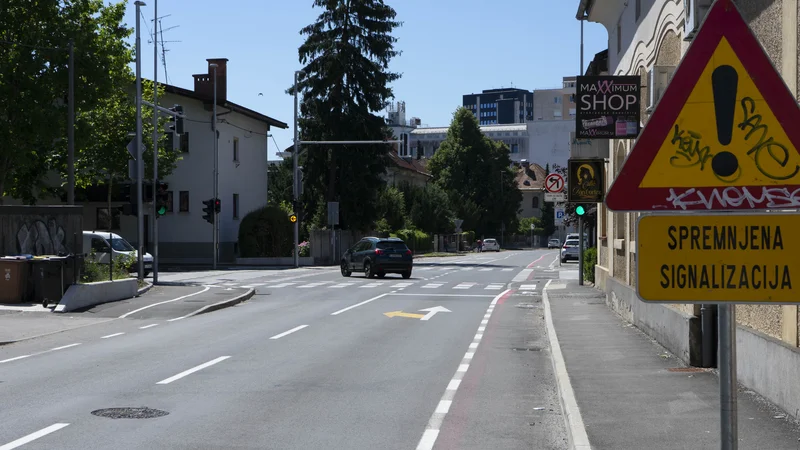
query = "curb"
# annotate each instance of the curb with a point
(144, 289)
(223, 304)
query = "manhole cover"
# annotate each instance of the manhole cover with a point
(686, 369)
(129, 413)
(527, 349)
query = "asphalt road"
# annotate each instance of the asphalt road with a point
(456, 357)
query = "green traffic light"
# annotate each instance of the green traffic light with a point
(161, 210)
(579, 210)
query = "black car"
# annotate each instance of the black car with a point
(378, 256)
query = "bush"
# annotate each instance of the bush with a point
(266, 232)
(418, 241)
(94, 271)
(589, 261)
(305, 248)
(468, 236)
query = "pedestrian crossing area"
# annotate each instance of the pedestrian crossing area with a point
(364, 283)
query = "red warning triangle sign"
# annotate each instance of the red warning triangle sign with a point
(725, 134)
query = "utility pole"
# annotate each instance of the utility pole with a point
(71, 127)
(295, 178)
(155, 141)
(215, 225)
(139, 145)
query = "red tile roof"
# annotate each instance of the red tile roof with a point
(531, 177)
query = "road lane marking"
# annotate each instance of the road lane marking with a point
(358, 304)
(281, 285)
(15, 358)
(370, 285)
(112, 335)
(286, 333)
(205, 289)
(64, 346)
(508, 269)
(534, 263)
(431, 433)
(341, 285)
(494, 287)
(522, 276)
(432, 285)
(464, 285)
(33, 436)
(148, 326)
(569, 404)
(486, 269)
(402, 285)
(193, 370)
(441, 295)
(527, 287)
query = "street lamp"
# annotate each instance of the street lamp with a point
(215, 226)
(295, 190)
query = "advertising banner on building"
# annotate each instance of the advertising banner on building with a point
(608, 107)
(586, 179)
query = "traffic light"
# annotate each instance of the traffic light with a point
(178, 119)
(217, 205)
(209, 211)
(162, 198)
(580, 210)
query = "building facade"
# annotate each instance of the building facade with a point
(648, 38)
(423, 142)
(500, 106)
(557, 103)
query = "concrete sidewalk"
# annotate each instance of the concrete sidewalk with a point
(633, 394)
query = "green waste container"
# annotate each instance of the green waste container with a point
(13, 280)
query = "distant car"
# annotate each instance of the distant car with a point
(553, 243)
(570, 250)
(491, 245)
(378, 256)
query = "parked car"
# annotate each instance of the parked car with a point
(491, 245)
(99, 243)
(553, 243)
(378, 256)
(570, 250)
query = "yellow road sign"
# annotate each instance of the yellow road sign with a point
(758, 153)
(403, 314)
(725, 258)
(293, 218)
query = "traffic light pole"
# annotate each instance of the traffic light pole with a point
(295, 178)
(155, 143)
(580, 250)
(139, 156)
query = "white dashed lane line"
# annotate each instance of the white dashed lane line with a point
(33, 436)
(431, 432)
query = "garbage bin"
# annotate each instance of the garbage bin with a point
(13, 280)
(48, 280)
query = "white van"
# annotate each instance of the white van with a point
(98, 242)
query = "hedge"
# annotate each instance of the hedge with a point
(418, 241)
(266, 232)
(589, 261)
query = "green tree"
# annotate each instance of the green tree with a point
(392, 207)
(430, 210)
(345, 82)
(548, 220)
(476, 172)
(525, 223)
(34, 82)
(280, 182)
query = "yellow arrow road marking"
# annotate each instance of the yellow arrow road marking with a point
(403, 314)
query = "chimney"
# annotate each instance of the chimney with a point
(204, 83)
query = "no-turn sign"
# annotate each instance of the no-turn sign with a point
(554, 183)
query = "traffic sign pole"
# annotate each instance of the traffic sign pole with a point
(729, 427)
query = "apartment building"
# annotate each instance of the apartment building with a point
(500, 106)
(555, 103)
(648, 38)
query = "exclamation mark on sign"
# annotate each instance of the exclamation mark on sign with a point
(724, 83)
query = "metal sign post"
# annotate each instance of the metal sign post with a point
(716, 255)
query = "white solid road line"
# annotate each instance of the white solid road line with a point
(425, 294)
(358, 304)
(193, 370)
(431, 432)
(64, 346)
(205, 289)
(572, 414)
(112, 335)
(33, 436)
(286, 333)
(17, 358)
(148, 326)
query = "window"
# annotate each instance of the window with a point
(557, 100)
(184, 201)
(104, 221)
(557, 113)
(185, 143)
(236, 149)
(170, 201)
(535, 202)
(572, 98)
(99, 245)
(572, 112)
(235, 206)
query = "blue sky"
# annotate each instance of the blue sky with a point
(450, 48)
